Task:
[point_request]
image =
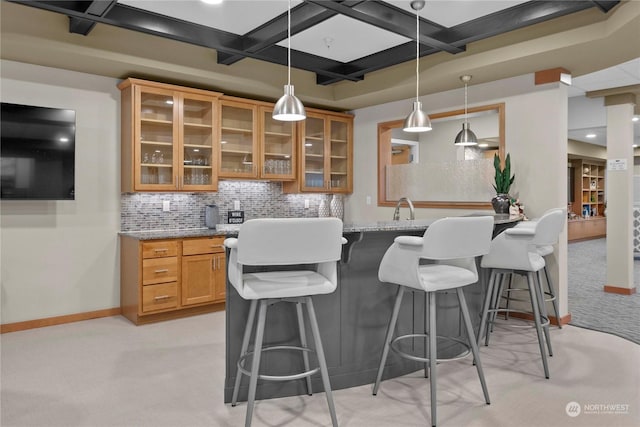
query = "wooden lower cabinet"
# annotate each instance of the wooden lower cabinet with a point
(588, 228)
(166, 279)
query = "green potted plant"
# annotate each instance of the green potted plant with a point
(503, 181)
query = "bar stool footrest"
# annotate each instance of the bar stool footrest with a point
(394, 346)
(544, 321)
(297, 376)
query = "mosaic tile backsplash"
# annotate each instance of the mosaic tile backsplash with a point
(143, 211)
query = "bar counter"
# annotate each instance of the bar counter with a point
(353, 319)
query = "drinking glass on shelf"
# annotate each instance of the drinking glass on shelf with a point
(146, 158)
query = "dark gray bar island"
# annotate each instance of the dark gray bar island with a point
(353, 319)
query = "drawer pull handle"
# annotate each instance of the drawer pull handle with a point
(160, 250)
(217, 246)
(164, 270)
(159, 297)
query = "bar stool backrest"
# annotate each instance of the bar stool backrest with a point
(549, 227)
(289, 241)
(459, 237)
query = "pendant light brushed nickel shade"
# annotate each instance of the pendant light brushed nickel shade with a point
(417, 120)
(465, 137)
(289, 108)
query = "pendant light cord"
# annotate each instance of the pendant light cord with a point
(465, 103)
(289, 44)
(417, 53)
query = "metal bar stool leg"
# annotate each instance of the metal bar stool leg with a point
(472, 342)
(486, 306)
(255, 363)
(387, 341)
(506, 313)
(303, 342)
(245, 346)
(426, 335)
(536, 318)
(324, 372)
(433, 354)
(552, 294)
(496, 299)
(543, 311)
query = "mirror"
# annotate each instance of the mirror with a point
(433, 172)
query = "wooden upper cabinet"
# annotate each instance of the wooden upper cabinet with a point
(278, 156)
(238, 139)
(326, 154)
(168, 137)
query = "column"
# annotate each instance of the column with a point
(619, 193)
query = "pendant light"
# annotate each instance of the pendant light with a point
(417, 121)
(466, 137)
(289, 108)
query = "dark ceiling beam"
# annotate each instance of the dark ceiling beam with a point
(604, 5)
(303, 17)
(515, 17)
(383, 59)
(390, 18)
(96, 8)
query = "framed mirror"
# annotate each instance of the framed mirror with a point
(433, 172)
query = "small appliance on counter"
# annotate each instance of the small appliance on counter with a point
(211, 216)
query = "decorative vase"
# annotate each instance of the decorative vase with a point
(323, 209)
(336, 206)
(501, 203)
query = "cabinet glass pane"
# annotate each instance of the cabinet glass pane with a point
(156, 138)
(278, 146)
(197, 142)
(339, 154)
(236, 140)
(314, 153)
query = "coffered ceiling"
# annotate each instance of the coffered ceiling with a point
(345, 54)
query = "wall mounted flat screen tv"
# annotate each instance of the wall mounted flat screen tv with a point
(37, 153)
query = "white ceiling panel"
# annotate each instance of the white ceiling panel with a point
(344, 39)
(450, 13)
(233, 16)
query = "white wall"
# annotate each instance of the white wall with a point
(536, 138)
(61, 257)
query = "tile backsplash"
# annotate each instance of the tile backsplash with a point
(143, 211)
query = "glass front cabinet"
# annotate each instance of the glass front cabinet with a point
(168, 138)
(326, 151)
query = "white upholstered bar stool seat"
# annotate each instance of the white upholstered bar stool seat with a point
(451, 244)
(313, 247)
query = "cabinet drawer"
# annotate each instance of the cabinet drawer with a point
(159, 249)
(159, 297)
(159, 270)
(202, 246)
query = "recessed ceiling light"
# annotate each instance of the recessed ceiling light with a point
(635, 145)
(590, 135)
(169, 101)
(483, 145)
(635, 119)
(211, 1)
(64, 139)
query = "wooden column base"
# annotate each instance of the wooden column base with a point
(620, 291)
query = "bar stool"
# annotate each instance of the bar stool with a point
(284, 242)
(452, 244)
(514, 252)
(547, 237)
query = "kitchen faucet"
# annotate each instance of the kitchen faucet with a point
(396, 213)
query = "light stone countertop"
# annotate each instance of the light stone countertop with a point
(232, 229)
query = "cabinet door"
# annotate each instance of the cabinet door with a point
(238, 140)
(198, 158)
(340, 163)
(313, 168)
(220, 276)
(198, 279)
(277, 149)
(155, 139)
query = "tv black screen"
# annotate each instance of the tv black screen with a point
(37, 153)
